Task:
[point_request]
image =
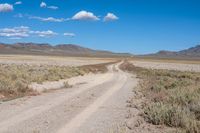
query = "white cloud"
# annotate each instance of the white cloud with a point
(110, 17)
(84, 15)
(47, 33)
(69, 34)
(44, 5)
(53, 7)
(18, 32)
(52, 19)
(24, 31)
(6, 7)
(18, 3)
(48, 19)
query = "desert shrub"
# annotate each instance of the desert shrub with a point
(159, 114)
(184, 96)
(174, 98)
(67, 85)
(157, 87)
(14, 79)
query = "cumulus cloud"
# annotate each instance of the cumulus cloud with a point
(69, 34)
(44, 5)
(6, 7)
(47, 33)
(16, 32)
(18, 3)
(84, 15)
(110, 17)
(48, 19)
(24, 31)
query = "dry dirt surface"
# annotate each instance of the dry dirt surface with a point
(95, 104)
(51, 60)
(168, 66)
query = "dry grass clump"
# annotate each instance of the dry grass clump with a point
(174, 97)
(96, 68)
(14, 79)
(67, 85)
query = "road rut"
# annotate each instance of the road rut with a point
(93, 107)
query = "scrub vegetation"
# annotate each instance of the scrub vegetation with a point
(173, 97)
(14, 79)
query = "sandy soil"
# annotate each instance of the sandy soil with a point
(95, 104)
(51, 60)
(169, 66)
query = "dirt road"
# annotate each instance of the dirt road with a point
(94, 105)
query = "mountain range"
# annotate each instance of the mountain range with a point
(76, 50)
(60, 50)
(193, 52)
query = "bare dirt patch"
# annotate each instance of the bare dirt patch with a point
(167, 65)
(51, 60)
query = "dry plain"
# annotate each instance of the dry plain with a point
(51, 60)
(90, 102)
(93, 102)
(193, 66)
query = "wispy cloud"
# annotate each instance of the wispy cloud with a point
(84, 15)
(48, 19)
(16, 32)
(68, 34)
(18, 3)
(6, 7)
(24, 31)
(44, 19)
(44, 5)
(47, 33)
(110, 17)
(52, 7)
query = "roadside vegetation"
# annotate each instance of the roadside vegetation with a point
(14, 79)
(173, 97)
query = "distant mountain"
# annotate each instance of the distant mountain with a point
(193, 52)
(165, 53)
(61, 49)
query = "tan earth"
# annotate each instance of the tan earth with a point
(51, 60)
(95, 104)
(168, 66)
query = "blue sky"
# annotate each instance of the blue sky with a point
(136, 26)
